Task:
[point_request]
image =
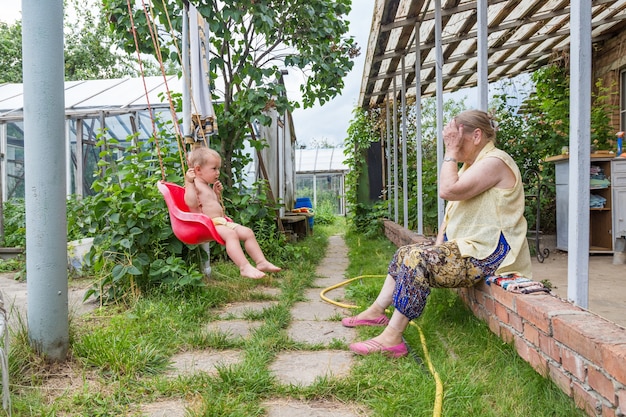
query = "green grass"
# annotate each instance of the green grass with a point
(118, 356)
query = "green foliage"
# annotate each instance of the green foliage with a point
(541, 128)
(134, 246)
(361, 134)
(364, 129)
(325, 213)
(89, 51)
(14, 224)
(251, 44)
(10, 52)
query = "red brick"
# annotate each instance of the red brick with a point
(485, 289)
(584, 399)
(601, 384)
(561, 379)
(516, 322)
(494, 325)
(608, 411)
(539, 309)
(506, 335)
(587, 334)
(620, 394)
(573, 364)
(502, 313)
(506, 298)
(614, 362)
(548, 346)
(488, 303)
(531, 355)
(531, 334)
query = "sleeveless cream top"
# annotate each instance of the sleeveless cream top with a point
(476, 224)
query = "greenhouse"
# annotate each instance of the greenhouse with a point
(117, 106)
(320, 176)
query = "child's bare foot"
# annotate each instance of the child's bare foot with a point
(251, 272)
(267, 266)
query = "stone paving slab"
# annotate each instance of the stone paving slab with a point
(294, 408)
(186, 363)
(319, 332)
(234, 328)
(239, 310)
(16, 299)
(173, 408)
(304, 368)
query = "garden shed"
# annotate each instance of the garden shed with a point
(321, 176)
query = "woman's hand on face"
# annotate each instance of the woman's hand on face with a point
(453, 138)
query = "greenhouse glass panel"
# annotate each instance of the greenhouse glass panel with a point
(15, 160)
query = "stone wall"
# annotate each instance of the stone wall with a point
(584, 354)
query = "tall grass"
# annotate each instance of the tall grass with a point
(119, 356)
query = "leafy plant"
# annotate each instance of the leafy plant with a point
(251, 44)
(134, 246)
(14, 223)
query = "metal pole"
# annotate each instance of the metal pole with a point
(405, 180)
(44, 161)
(395, 154)
(186, 95)
(388, 153)
(483, 58)
(579, 151)
(439, 93)
(418, 132)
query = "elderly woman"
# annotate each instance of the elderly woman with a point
(483, 233)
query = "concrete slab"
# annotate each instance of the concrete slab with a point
(234, 328)
(315, 308)
(208, 361)
(293, 408)
(304, 368)
(320, 332)
(16, 299)
(173, 408)
(240, 310)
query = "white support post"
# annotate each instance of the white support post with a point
(579, 151)
(439, 90)
(405, 180)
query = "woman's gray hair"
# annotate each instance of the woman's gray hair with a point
(478, 119)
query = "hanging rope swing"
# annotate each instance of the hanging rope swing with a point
(189, 227)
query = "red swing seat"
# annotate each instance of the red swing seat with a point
(189, 228)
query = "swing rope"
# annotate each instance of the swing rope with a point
(145, 87)
(191, 228)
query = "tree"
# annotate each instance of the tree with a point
(251, 43)
(90, 53)
(10, 53)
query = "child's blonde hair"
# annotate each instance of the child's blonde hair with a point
(201, 155)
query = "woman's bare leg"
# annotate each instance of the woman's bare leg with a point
(384, 300)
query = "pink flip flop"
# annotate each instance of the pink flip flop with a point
(372, 346)
(353, 321)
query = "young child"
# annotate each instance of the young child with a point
(200, 197)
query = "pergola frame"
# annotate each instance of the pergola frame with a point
(457, 44)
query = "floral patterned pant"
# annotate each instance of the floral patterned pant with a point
(420, 267)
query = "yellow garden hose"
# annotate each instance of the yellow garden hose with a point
(438, 385)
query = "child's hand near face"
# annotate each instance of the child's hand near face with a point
(218, 187)
(190, 175)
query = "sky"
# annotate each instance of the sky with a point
(329, 123)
